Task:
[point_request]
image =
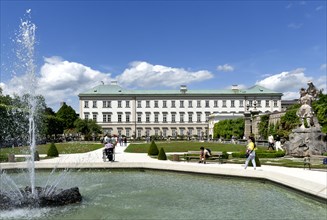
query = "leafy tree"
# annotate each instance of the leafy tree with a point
(263, 126)
(68, 115)
(229, 127)
(289, 121)
(54, 125)
(320, 109)
(87, 127)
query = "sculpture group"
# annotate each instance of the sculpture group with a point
(305, 112)
(307, 139)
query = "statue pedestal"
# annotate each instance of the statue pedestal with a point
(247, 124)
(305, 141)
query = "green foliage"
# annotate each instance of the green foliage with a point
(68, 115)
(263, 126)
(261, 154)
(289, 121)
(53, 151)
(320, 108)
(153, 149)
(228, 128)
(162, 155)
(87, 127)
(184, 146)
(225, 155)
(54, 125)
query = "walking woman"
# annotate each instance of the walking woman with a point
(250, 151)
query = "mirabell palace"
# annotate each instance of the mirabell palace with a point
(170, 112)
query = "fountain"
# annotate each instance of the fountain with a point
(31, 196)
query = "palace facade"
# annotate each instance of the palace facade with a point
(169, 113)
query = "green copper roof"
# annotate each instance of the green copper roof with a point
(116, 90)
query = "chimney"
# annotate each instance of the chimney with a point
(183, 89)
(235, 88)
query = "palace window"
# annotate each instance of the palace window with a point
(94, 104)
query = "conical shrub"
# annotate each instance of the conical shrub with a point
(53, 151)
(162, 154)
(153, 150)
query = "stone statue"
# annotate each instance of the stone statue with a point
(305, 112)
(303, 141)
(312, 90)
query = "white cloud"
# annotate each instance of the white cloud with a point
(225, 68)
(59, 81)
(290, 82)
(289, 6)
(320, 7)
(146, 75)
(62, 80)
(323, 66)
(295, 26)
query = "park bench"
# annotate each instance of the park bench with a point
(215, 155)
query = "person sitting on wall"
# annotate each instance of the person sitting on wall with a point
(204, 155)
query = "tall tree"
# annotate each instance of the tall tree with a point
(87, 127)
(320, 108)
(68, 115)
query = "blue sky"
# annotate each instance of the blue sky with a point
(162, 44)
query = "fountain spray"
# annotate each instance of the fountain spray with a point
(25, 53)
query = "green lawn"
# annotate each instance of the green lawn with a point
(184, 146)
(63, 148)
(174, 146)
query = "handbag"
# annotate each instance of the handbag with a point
(247, 153)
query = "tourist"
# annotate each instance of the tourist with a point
(109, 150)
(125, 141)
(106, 139)
(251, 148)
(271, 142)
(278, 144)
(204, 155)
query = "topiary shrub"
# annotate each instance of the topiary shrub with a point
(153, 150)
(53, 151)
(225, 155)
(162, 154)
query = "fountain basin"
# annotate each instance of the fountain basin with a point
(149, 194)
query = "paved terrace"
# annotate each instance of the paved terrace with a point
(312, 182)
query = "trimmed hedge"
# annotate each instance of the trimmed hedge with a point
(162, 154)
(261, 154)
(225, 155)
(53, 151)
(153, 149)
